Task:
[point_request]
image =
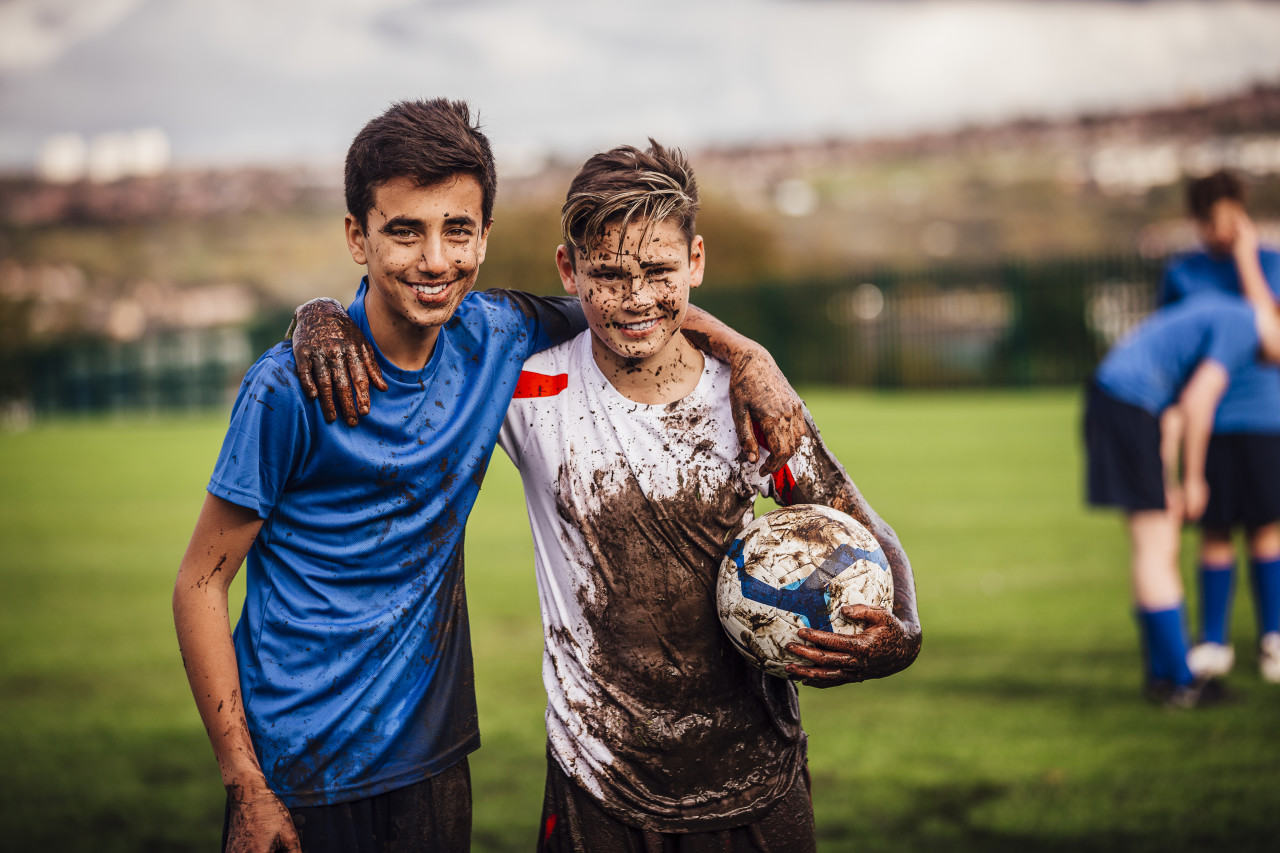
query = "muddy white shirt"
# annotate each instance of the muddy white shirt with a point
(649, 706)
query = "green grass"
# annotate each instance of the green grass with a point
(1020, 727)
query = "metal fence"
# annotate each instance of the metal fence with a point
(1007, 324)
(191, 369)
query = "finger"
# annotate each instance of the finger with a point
(817, 677)
(829, 640)
(868, 616)
(302, 358)
(746, 435)
(359, 381)
(342, 385)
(838, 660)
(371, 365)
(324, 384)
(290, 843)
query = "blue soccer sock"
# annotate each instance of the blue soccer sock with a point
(1164, 644)
(1217, 585)
(1266, 594)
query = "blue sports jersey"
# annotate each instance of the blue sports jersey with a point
(1151, 365)
(1252, 401)
(353, 645)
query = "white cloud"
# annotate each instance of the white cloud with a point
(35, 33)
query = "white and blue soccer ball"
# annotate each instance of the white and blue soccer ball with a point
(795, 568)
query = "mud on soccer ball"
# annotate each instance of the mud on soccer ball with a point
(795, 568)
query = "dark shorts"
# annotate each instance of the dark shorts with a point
(574, 822)
(1243, 471)
(1122, 443)
(434, 814)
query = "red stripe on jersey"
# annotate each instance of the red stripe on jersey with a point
(551, 827)
(532, 384)
(784, 482)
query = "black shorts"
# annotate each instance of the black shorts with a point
(574, 822)
(1243, 471)
(434, 814)
(1122, 443)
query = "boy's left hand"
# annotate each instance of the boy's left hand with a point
(334, 360)
(883, 648)
(759, 392)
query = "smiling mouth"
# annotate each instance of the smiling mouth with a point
(641, 326)
(430, 289)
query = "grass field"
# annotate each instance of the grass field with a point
(1019, 728)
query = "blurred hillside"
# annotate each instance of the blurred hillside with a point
(183, 251)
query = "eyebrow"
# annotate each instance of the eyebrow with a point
(398, 222)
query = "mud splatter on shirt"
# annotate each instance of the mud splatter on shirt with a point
(650, 708)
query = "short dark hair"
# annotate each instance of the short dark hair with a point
(427, 141)
(626, 183)
(1203, 193)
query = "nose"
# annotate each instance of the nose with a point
(433, 261)
(640, 295)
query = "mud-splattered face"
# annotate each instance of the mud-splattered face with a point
(634, 288)
(423, 247)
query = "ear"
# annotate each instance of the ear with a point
(483, 245)
(356, 243)
(697, 261)
(568, 275)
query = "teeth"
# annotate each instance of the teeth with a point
(641, 326)
(430, 289)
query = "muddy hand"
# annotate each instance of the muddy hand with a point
(334, 360)
(260, 823)
(883, 648)
(759, 392)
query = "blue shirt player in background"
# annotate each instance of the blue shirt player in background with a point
(1151, 401)
(1243, 463)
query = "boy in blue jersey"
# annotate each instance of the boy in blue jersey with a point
(1151, 400)
(342, 711)
(1243, 463)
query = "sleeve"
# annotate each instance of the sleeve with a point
(549, 320)
(266, 442)
(511, 436)
(1171, 289)
(812, 475)
(1270, 261)
(1235, 343)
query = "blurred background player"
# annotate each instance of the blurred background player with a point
(1151, 405)
(660, 735)
(1243, 463)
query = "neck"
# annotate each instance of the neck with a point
(664, 377)
(406, 345)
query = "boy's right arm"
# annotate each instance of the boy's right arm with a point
(224, 532)
(1198, 402)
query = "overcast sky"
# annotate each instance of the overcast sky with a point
(278, 80)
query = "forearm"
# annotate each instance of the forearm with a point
(1253, 284)
(715, 338)
(1198, 403)
(204, 638)
(223, 534)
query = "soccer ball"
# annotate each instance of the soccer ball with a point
(795, 568)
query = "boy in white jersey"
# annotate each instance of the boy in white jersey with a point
(660, 736)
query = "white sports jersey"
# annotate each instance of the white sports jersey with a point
(649, 706)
